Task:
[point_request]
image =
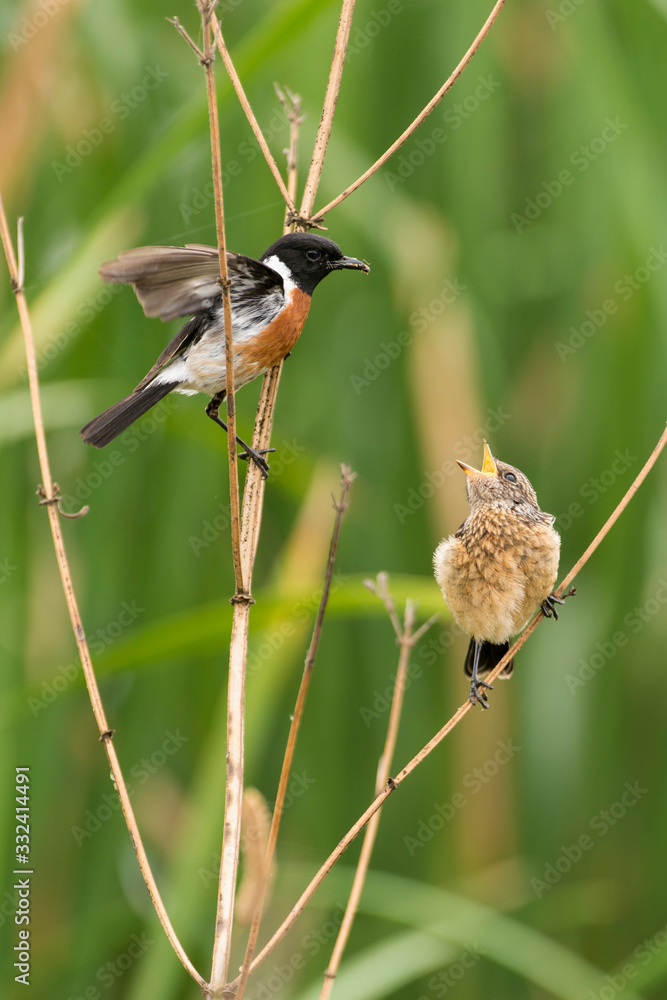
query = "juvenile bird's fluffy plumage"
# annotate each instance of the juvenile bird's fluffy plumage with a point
(500, 565)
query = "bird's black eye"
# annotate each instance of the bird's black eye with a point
(510, 477)
(313, 254)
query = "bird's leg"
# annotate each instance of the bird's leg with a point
(549, 603)
(476, 682)
(213, 411)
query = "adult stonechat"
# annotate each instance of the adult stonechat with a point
(270, 299)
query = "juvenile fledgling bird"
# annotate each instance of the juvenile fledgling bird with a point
(270, 300)
(499, 567)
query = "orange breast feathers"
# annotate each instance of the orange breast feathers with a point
(280, 336)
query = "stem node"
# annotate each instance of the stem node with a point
(242, 597)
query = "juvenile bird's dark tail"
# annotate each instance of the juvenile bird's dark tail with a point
(489, 657)
(108, 425)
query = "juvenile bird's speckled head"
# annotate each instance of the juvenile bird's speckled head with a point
(501, 486)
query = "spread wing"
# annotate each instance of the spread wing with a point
(182, 281)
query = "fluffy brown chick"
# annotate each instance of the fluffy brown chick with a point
(499, 567)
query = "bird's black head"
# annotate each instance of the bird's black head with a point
(309, 258)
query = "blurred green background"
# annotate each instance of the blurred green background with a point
(518, 292)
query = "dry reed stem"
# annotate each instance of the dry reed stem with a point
(393, 783)
(406, 640)
(251, 519)
(326, 121)
(253, 494)
(206, 10)
(249, 113)
(231, 837)
(255, 827)
(340, 506)
(49, 491)
(254, 488)
(404, 136)
(238, 646)
(292, 105)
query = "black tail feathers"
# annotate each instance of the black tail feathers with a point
(101, 430)
(490, 655)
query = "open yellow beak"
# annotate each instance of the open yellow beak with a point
(488, 465)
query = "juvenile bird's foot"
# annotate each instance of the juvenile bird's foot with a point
(549, 603)
(479, 696)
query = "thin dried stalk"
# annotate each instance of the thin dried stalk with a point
(231, 837)
(330, 101)
(406, 640)
(206, 9)
(231, 833)
(49, 491)
(340, 506)
(255, 827)
(404, 136)
(253, 493)
(250, 115)
(250, 523)
(393, 783)
(292, 105)
(611, 521)
(254, 488)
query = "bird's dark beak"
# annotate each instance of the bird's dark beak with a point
(349, 262)
(488, 465)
